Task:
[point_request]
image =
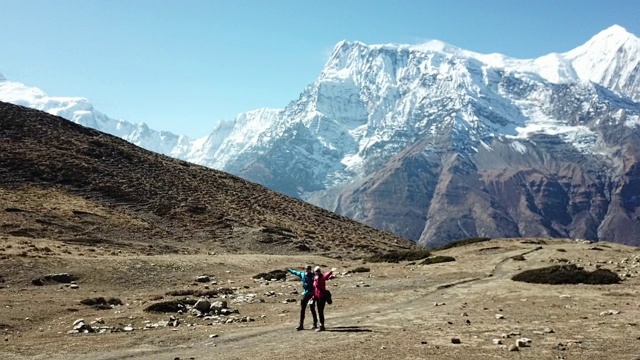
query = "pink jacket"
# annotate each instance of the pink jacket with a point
(319, 285)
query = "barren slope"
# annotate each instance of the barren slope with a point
(62, 181)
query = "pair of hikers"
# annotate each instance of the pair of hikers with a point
(314, 291)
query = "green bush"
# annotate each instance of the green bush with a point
(463, 243)
(567, 274)
(437, 260)
(397, 256)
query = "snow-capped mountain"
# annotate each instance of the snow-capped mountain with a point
(80, 111)
(437, 143)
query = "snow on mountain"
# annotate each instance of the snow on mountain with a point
(231, 138)
(80, 111)
(611, 59)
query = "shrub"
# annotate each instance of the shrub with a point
(463, 243)
(534, 241)
(567, 274)
(278, 230)
(359, 269)
(437, 260)
(101, 303)
(397, 256)
(274, 274)
(170, 306)
(193, 292)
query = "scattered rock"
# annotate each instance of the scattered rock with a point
(499, 316)
(523, 342)
(216, 306)
(497, 341)
(203, 279)
(438, 304)
(226, 311)
(202, 305)
(455, 340)
(610, 312)
(79, 326)
(513, 348)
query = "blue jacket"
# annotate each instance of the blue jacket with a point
(307, 281)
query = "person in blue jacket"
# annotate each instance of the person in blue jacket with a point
(307, 295)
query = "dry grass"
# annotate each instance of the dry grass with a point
(62, 181)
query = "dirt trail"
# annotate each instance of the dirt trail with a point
(372, 320)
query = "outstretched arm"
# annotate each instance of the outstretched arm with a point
(296, 273)
(328, 275)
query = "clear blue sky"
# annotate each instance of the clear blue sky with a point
(182, 65)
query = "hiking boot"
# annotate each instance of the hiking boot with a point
(315, 326)
(300, 328)
(321, 328)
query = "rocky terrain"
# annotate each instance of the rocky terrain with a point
(463, 309)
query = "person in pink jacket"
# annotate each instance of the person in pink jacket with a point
(320, 294)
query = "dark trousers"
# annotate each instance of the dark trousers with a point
(321, 303)
(303, 308)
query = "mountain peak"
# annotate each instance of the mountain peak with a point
(616, 31)
(612, 38)
(611, 58)
(608, 40)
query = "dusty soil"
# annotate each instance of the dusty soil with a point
(389, 312)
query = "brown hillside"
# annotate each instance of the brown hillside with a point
(62, 181)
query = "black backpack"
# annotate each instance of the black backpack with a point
(327, 297)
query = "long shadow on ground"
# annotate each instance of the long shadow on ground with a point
(349, 329)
